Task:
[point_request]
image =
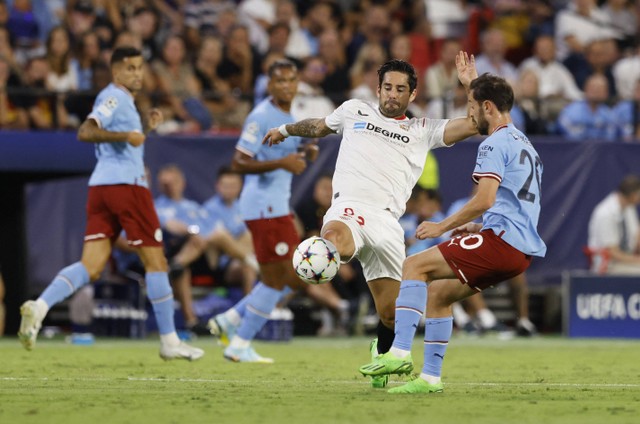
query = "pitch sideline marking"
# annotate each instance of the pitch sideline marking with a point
(206, 380)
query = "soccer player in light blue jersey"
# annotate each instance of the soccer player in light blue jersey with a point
(264, 204)
(508, 172)
(118, 199)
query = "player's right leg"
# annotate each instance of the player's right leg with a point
(94, 257)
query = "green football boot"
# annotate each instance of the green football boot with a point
(377, 381)
(418, 385)
(388, 363)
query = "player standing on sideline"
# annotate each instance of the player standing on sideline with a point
(508, 172)
(264, 204)
(118, 198)
(381, 157)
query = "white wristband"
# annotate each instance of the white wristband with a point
(283, 130)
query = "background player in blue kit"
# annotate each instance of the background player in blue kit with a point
(508, 173)
(264, 204)
(118, 199)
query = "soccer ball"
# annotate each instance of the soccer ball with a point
(316, 260)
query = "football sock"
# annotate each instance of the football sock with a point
(385, 337)
(234, 314)
(161, 297)
(410, 305)
(437, 332)
(259, 306)
(67, 281)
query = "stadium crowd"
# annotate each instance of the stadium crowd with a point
(574, 64)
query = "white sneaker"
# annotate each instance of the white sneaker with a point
(220, 327)
(180, 351)
(30, 324)
(246, 354)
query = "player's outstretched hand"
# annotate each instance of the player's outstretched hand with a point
(135, 138)
(154, 118)
(294, 162)
(468, 228)
(429, 229)
(272, 137)
(466, 66)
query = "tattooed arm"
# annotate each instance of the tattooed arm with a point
(309, 128)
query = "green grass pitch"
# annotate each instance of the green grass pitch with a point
(540, 380)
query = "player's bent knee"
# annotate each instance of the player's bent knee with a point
(413, 268)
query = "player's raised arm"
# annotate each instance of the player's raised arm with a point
(460, 128)
(91, 132)
(310, 128)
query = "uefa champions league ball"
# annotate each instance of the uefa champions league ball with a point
(316, 260)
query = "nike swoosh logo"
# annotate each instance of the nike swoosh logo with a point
(362, 114)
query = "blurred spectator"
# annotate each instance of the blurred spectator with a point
(492, 59)
(627, 116)
(541, 19)
(278, 38)
(374, 29)
(6, 51)
(240, 64)
(555, 82)
(624, 19)
(319, 18)
(81, 17)
(368, 88)
(179, 86)
(579, 24)
(227, 110)
(171, 14)
(452, 105)
(527, 111)
(591, 118)
(368, 53)
(62, 77)
(12, 116)
(200, 17)
(80, 104)
(332, 50)
(400, 48)
(598, 57)
(626, 72)
(224, 207)
(44, 109)
(512, 19)
(310, 101)
(145, 23)
(86, 59)
(448, 19)
(24, 30)
(614, 230)
(298, 45)
(261, 11)
(442, 77)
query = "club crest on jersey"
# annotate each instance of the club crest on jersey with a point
(368, 126)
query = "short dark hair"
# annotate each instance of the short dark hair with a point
(494, 89)
(281, 64)
(629, 185)
(397, 65)
(226, 170)
(121, 53)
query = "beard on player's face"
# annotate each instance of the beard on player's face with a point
(481, 123)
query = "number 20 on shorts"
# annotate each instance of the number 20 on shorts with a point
(350, 213)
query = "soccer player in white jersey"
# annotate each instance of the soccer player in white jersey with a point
(508, 172)
(381, 157)
(118, 199)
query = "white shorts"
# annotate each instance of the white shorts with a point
(378, 237)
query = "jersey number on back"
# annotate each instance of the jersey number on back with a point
(534, 165)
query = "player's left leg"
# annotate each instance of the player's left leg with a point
(161, 296)
(520, 295)
(95, 254)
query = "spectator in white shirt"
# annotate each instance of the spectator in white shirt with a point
(492, 59)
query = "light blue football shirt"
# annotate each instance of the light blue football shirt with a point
(266, 195)
(118, 163)
(508, 156)
(229, 215)
(186, 211)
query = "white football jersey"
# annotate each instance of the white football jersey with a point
(380, 158)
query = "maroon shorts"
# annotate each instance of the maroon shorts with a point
(274, 239)
(484, 259)
(110, 208)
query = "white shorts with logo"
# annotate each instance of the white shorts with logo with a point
(378, 237)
